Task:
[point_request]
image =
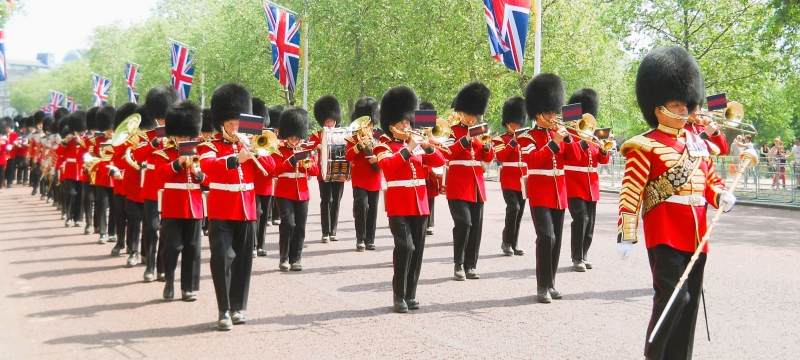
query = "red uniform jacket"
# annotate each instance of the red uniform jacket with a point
(509, 154)
(542, 154)
(465, 182)
(121, 162)
(184, 203)
(4, 148)
(362, 173)
(231, 195)
(12, 139)
(263, 183)
(409, 197)
(73, 158)
(102, 171)
(151, 183)
(292, 177)
(22, 149)
(33, 146)
(718, 139)
(582, 178)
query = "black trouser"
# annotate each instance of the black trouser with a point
(135, 212)
(515, 208)
(409, 244)
(2, 176)
(105, 212)
(89, 204)
(294, 215)
(275, 214)
(74, 193)
(22, 170)
(467, 228)
(11, 171)
(36, 176)
(264, 204)
(121, 219)
(182, 237)
(330, 194)
(548, 224)
(365, 211)
(431, 203)
(231, 261)
(667, 265)
(152, 241)
(583, 215)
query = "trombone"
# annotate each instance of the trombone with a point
(247, 145)
(584, 130)
(729, 118)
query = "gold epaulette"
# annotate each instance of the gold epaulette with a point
(638, 142)
(527, 135)
(350, 139)
(209, 144)
(381, 151)
(385, 137)
(162, 154)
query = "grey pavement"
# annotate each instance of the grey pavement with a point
(63, 297)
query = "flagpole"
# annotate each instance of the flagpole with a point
(537, 47)
(305, 63)
(281, 7)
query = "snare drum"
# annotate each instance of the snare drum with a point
(332, 150)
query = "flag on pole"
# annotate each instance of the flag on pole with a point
(70, 103)
(3, 74)
(131, 75)
(46, 109)
(507, 22)
(133, 96)
(284, 36)
(100, 86)
(182, 69)
(56, 100)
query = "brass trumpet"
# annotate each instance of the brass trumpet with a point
(729, 118)
(439, 133)
(265, 144)
(584, 130)
(247, 146)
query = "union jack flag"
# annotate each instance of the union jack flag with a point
(182, 70)
(131, 75)
(133, 96)
(284, 36)
(46, 109)
(3, 74)
(100, 87)
(56, 100)
(507, 21)
(70, 103)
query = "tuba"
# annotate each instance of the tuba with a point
(127, 130)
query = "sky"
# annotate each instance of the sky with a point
(58, 26)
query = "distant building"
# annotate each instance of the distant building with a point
(72, 55)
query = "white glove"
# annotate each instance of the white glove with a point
(726, 200)
(624, 250)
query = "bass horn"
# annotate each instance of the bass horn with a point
(127, 130)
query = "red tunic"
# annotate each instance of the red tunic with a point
(12, 139)
(4, 148)
(581, 172)
(362, 173)
(73, 153)
(543, 155)
(292, 180)
(176, 202)
(465, 167)
(409, 197)
(151, 183)
(510, 157)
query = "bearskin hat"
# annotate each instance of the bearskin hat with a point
(147, 123)
(327, 107)
(39, 117)
(207, 128)
(77, 121)
(275, 114)
(91, 118)
(105, 118)
(62, 124)
(293, 122)
(544, 94)
(366, 106)
(427, 105)
(472, 99)
(65, 130)
(123, 112)
(514, 111)
(47, 124)
(29, 122)
(183, 119)
(60, 113)
(260, 109)
(159, 99)
(589, 100)
(668, 74)
(227, 102)
(397, 104)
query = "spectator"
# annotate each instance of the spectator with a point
(777, 158)
(745, 146)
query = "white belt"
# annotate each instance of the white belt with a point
(551, 172)
(292, 175)
(182, 186)
(585, 169)
(231, 187)
(151, 167)
(72, 160)
(514, 164)
(406, 183)
(465, 162)
(694, 200)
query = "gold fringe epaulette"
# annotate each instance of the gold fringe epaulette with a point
(162, 154)
(350, 139)
(209, 144)
(638, 142)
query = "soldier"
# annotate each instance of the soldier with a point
(263, 186)
(466, 192)
(73, 147)
(88, 186)
(117, 170)
(103, 183)
(401, 158)
(35, 152)
(365, 173)
(328, 114)
(274, 114)
(509, 154)
(583, 185)
(207, 135)
(670, 178)
(231, 203)
(433, 180)
(181, 202)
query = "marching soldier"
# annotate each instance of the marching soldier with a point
(117, 170)
(328, 114)
(103, 183)
(401, 158)
(73, 147)
(207, 135)
(231, 203)
(181, 202)
(88, 187)
(545, 150)
(466, 192)
(670, 179)
(509, 154)
(35, 152)
(274, 114)
(263, 187)
(365, 173)
(583, 185)
(291, 189)
(433, 180)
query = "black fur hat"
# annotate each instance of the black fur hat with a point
(29, 122)
(47, 124)
(293, 122)
(327, 107)
(472, 99)
(589, 100)
(207, 128)
(227, 102)
(105, 117)
(77, 121)
(62, 124)
(64, 130)
(60, 113)
(544, 94)
(147, 123)
(39, 116)
(183, 119)
(397, 104)
(91, 119)
(275, 114)
(668, 74)
(260, 109)
(123, 112)
(514, 111)
(426, 105)
(159, 99)
(366, 106)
